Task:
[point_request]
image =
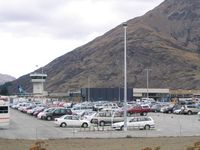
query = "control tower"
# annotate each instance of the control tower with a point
(38, 80)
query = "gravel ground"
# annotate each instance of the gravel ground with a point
(166, 143)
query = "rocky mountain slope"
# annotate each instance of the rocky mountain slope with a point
(166, 40)
(5, 78)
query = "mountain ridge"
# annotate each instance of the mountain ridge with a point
(6, 78)
(165, 40)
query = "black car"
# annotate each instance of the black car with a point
(56, 113)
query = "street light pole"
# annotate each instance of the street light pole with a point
(125, 80)
(88, 89)
(148, 82)
(119, 95)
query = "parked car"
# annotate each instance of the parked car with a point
(99, 105)
(88, 115)
(148, 100)
(57, 112)
(79, 110)
(72, 121)
(31, 111)
(36, 112)
(167, 109)
(140, 109)
(43, 113)
(190, 109)
(107, 117)
(177, 109)
(156, 107)
(110, 107)
(141, 122)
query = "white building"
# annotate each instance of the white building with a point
(38, 80)
(151, 92)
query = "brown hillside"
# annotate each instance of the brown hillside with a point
(165, 39)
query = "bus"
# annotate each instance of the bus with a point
(4, 114)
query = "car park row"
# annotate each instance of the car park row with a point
(103, 113)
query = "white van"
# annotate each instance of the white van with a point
(4, 114)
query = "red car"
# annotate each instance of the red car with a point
(139, 109)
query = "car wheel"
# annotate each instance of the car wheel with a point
(49, 118)
(189, 112)
(63, 124)
(101, 123)
(147, 127)
(122, 128)
(84, 125)
(144, 113)
(128, 114)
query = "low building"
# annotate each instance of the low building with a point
(105, 94)
(155, 93)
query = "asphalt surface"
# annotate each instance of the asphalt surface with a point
(23, 126)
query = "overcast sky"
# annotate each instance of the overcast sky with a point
(35, 32)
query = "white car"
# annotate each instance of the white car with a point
(143, 122)
(177, 111)
(79, 110)
(72, 121)
(89, 115)
(109, 107)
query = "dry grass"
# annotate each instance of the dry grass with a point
(39, 145)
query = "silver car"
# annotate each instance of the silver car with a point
(107, 117)
(141, 122)
(190, 109)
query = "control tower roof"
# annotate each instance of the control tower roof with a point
(38, 75)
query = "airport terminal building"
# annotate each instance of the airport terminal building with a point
(154, 93)
(117, 94)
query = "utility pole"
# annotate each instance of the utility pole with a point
(119, 95)
(125, 80)
(148, 81)
(88, 89)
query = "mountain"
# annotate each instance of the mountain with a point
(165, 40)
(5, 78)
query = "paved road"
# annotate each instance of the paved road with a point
(23, 126)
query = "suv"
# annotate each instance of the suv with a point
(107, 117)
(56, 113)
(190, 109)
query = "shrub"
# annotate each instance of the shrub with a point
(39, 145)
(148, 148)
(195, 147)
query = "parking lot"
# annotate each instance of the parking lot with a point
(23, 126)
